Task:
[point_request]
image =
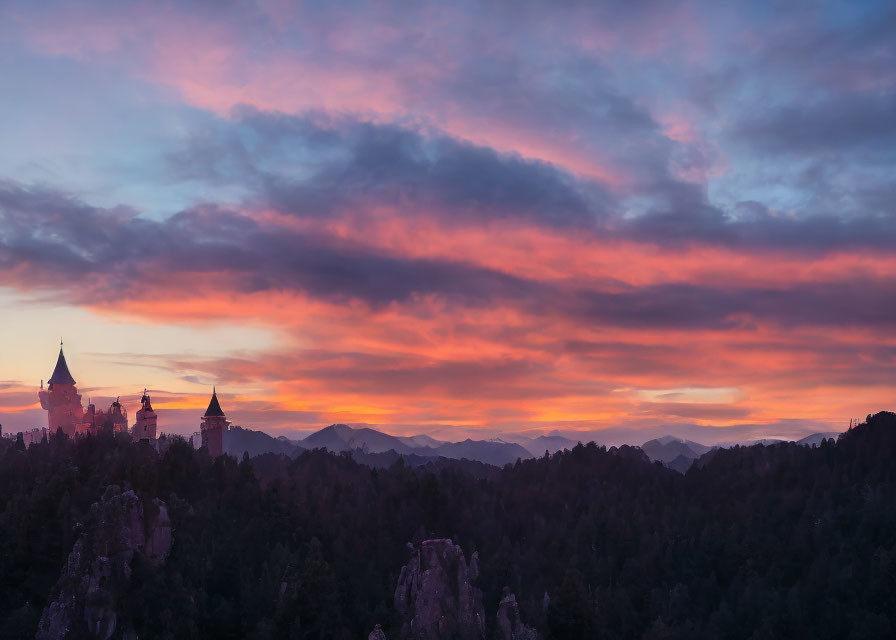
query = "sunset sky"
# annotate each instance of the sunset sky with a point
(456, 218)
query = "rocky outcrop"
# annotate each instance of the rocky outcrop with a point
(159, 533)
(509, 625)
(83, 604)
(377, 634)
(435, 597)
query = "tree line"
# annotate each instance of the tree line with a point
(753, 542)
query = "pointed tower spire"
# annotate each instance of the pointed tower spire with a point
(214, 407)
(61, 374)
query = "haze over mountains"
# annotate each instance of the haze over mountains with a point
(673, 452)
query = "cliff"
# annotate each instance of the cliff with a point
(435, 597)
(509, 625)
(84, 602)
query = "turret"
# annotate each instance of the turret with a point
(145, 428)
(119, 417)
(61, 399)
(214, 424)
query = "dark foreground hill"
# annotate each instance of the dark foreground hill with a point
(752, 542)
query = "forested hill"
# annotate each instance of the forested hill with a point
(753, 542)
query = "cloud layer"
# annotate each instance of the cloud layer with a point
(496, 218)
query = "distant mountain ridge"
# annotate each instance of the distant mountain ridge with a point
(341, 437)
(680, 454)
(420, 441)
(673, 452)
(551, 444)
(239, 440)
(816, 438)
(667, 449)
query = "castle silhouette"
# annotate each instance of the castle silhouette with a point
(65, 411)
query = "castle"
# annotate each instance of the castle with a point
(214, 425)
(62, 403)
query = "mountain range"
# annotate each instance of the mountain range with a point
(372, 445)
(679, 454)
(341, 437)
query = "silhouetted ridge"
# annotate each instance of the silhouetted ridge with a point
(238, 441)
(879, 428)
(341, 437)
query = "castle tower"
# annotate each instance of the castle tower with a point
(89, 423)
(214, 424)
(61, 399)
(118, 417)
(145, 428)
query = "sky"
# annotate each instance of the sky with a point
(462, 219)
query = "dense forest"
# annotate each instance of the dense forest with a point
(752, 542)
